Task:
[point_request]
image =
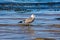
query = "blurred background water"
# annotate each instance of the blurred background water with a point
(46, 24)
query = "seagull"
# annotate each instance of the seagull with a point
(28, 20)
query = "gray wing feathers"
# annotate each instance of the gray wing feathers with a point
(28, 20)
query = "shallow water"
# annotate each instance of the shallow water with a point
(45, 25)
(10, 30)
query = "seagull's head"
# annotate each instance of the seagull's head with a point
(32, 16)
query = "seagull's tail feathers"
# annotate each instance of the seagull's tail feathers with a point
(23, 21)
(20, 22)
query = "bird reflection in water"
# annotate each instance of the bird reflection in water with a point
(27, 30)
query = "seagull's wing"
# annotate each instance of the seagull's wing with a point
(28, 20)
